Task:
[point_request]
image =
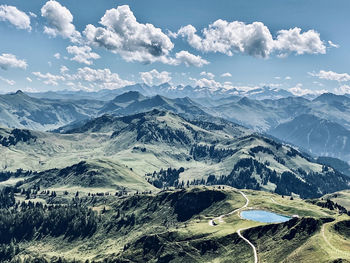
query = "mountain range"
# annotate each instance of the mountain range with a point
(149, 142)
(141, 178)
(19, 110)
(170, 91)
(328, 113)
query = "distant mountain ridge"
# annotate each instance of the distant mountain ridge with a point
(293, 119)
(170, 91)
(319, 136)
(22, 111)
(18, 110)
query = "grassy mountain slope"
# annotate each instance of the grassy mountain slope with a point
(338, 164)
(92, 174)
(209, 153)
(161, 228)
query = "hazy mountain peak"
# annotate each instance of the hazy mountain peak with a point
(128, 96)
(245, 101)
(19, 92)
(331, 97)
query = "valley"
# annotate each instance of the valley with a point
(174, 131)
(157, 187)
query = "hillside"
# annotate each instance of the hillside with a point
(338, 164)
(18, 110)
(319, 136)
(267, 114)
(134, 102)
(170, 226)
(89, 175)
(209, 153)
(294, 120)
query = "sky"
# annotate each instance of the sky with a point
(297, 45)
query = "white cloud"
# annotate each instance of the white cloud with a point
(288, 78)
(48, 78)
(29, 79)
(344, 89)
(208, 83)
(16, 17)
(331, 75)
(298, 90)
(59, 20)
(8, 81)
(63, 69)
(123, 34)
(154, 77)
(251, 39)
(189, 59)
(57, 55)
(331, 44)
(226, 75)
(10, 61)
(207, 74)
(82, 54)
(293, 41)
(103, 78)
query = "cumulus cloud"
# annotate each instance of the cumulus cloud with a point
(10, 61)
(207, 83)
(184, 57)
(226, 75)
(83, 54)
(14, 16)
(123, 34)
(331, 75)
(344, 89)
(63, 69)
(48, 78)
(8, 81)
(154, 77)
(102, 78)
(298, 90)
(253, 39)
(288, 78)
(29, 79)
(207, 74)
(293, 41)
(57, 55)
(60, 21)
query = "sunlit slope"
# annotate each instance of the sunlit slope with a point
(156, 140)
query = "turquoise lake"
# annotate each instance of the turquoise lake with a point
(263, 216)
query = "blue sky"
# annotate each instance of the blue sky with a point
(181, 42)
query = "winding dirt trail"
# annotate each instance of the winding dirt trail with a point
(341, 252)
(250, 244)
(220, 219)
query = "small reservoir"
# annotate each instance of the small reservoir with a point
(263, 216)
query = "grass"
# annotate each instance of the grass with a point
(195, 240)
(342, 198)
(326, 246)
